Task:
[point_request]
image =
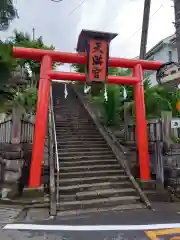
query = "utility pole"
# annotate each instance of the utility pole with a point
(33, 78)
(145, 26)
(33, 32)
(177, 25)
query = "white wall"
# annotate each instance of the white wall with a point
(163, 55)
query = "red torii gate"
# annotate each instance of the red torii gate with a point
(46, 74)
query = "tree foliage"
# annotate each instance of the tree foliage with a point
(7, 13)
(157, 98)
(7, 63)
(26, 99)
(14, 95)
(21, 39)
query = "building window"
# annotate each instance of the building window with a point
(170, 56)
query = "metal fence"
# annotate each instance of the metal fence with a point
(154, 131)
(5, 131)
(27, 131)
(155, 139)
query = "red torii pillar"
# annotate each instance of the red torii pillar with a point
(46, 57)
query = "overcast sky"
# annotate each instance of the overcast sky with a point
(60, 25)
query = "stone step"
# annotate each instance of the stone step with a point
(64, 108)
(67, 122)
(99, 193)
(78, 131)
(62, 124)
(79, 137)
(82, 115)
(77, 158)
(75, 143)
(83, 148)
(77, 113)
(84, 153)
(95, 186)
(74, 124)
(74, 110)
(91, 168)
(97, 203)
(85, 133)
(87, 162)
(76, 128)
(91, 173)
(71, 115)
(89, 211)
(91, 180)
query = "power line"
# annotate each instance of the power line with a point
(56, 0)
(139, 29)
(74, 9)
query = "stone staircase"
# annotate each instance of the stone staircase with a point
(90, 178)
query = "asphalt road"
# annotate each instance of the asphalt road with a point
(33, 235)
(88, 235)
(124, 225)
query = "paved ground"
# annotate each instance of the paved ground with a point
(124, 224)
(8, 213)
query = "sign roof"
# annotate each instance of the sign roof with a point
(86, 35)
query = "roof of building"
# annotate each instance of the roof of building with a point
(171, 39)
(86, 35)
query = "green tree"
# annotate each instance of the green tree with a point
(157, 98)
(79, 67)
(8, 64)
(26, 99)
(7, 14)
(21, 39)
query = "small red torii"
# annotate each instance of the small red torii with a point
(46, 74)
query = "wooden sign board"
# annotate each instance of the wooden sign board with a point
(98, 60)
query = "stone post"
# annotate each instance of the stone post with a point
(166, 117)
(16, 125)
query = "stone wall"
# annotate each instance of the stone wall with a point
(171, 162)
(12, 159)
(172, 165)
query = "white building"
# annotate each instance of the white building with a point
(164, 51)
